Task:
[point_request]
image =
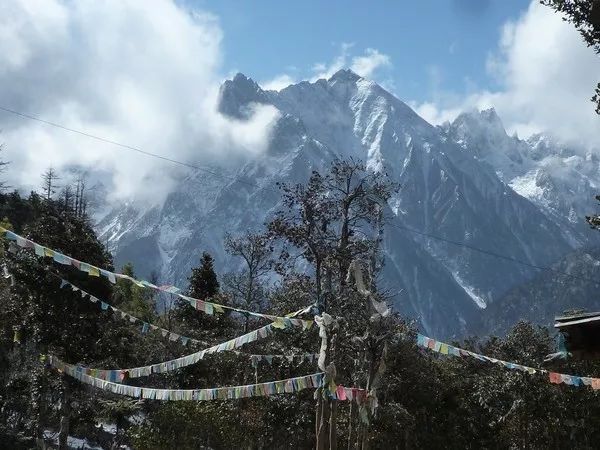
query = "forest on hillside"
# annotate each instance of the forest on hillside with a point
(413, 397)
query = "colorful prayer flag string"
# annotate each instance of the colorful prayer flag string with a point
(201, 305)
(553, 377)
(255, 359)
(120, 375)
(299, 357)
(287, 386)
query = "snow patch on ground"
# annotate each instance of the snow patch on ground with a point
(72, 442)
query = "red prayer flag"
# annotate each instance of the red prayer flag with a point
(555, 378)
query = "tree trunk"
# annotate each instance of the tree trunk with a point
(344, 261)
(65, 415)
(322, 435)
(318, 413)
(350, 418)
(333, 425)
(36, 402)
(318, 281)
(372, 372)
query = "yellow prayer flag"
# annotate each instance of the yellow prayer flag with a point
(278, 323)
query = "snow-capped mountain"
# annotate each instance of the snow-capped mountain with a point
(463, 182)
(560, 179)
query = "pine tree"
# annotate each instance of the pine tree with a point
(203, 280)
(203, 285)
(130, 297)
(45, 318)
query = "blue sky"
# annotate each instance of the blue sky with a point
(432, 44)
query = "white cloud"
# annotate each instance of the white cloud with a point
(142, 73)
(433, 114)
(278, 83)
(367, 64)
(326, 70)
(547, 76)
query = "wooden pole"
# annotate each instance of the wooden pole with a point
(65, 415)
(322, 435)
(333, 425)
(350, 418)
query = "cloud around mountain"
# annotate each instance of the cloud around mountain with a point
(144, 76)
(546, 76)
(370, 64)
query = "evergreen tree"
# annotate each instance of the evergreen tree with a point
(203, 280)
(203, 285)
(134, 299)
(67, 199)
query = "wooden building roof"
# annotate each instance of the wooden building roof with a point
(581, 333)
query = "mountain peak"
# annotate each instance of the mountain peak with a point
(345, 75)
(490, 116)
(235, 95)
(243, 83)
(484, 122)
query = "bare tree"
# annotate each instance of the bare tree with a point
(49, 186)
(358, 195)
(304, 222)
(68, 198)
(81, 201)
(3, 164)
(335, 220)
(247, 286)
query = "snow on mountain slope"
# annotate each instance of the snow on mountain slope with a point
(455, 185)
(560, 179)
